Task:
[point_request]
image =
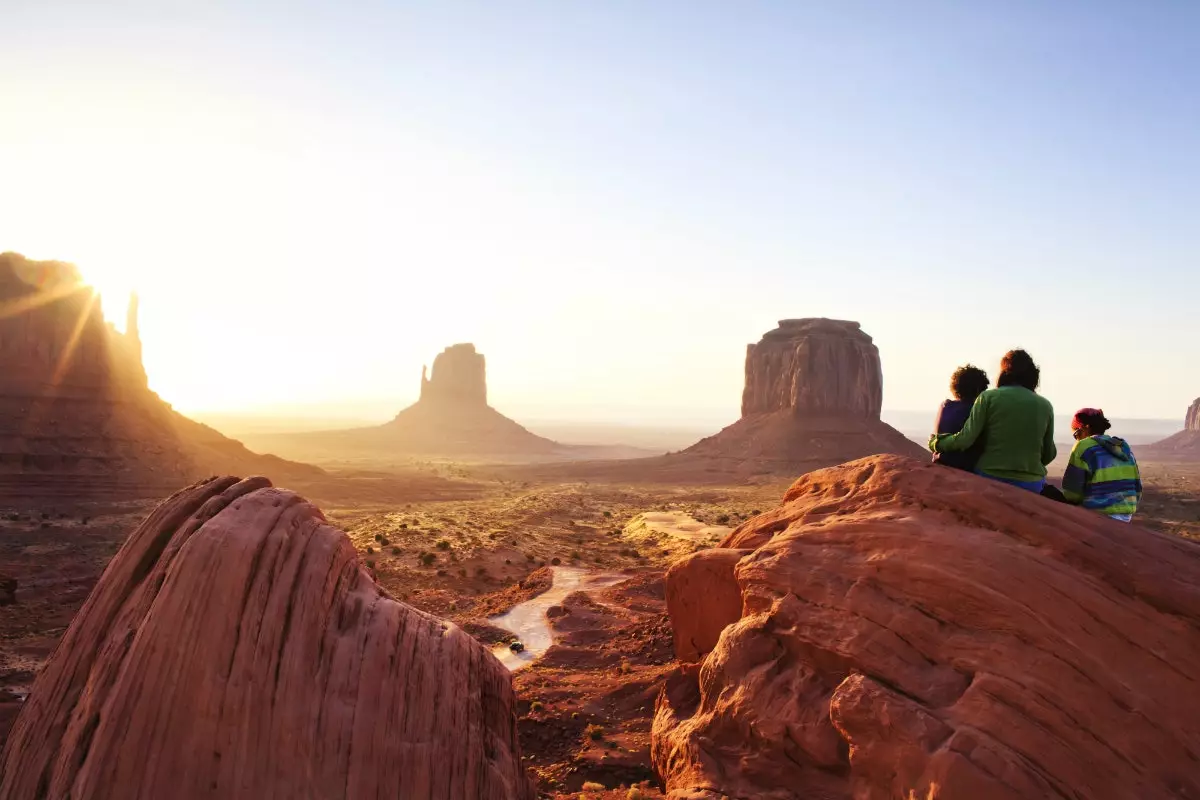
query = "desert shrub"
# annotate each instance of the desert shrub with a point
(574, 555)
(608, 513)
(441, 573)
(462, 572)
(370, 564)
(529, 557)
(481, 571)
(635, 794)
(383, 540)
(396, 551)
(508, 561)
(755, 512)
(723, 519)
(536, 705)
(404, 525)
(370, 550)
(443, 544)
(594, 732)
(555, 561)
(428, 558)
(592, 786)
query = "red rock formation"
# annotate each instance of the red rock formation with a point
(812, 398)
(912, 631)
(76, 413)
(815, 367)
(1182, 446)
(235, 648)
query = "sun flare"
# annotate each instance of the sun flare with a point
(114, 287)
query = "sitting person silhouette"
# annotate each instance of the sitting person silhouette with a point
(1102, 474)
(1015, 423)
(966, 384)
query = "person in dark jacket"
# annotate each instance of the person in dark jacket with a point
(966, 384)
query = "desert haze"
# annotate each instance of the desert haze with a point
(599, 401)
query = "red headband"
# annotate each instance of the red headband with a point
(1081, 416)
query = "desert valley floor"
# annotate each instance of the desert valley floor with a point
(585, 708)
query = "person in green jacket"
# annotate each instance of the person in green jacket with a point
(1102, 474)
(1015, 423)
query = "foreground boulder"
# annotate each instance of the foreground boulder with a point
(911, 631)
(235, 648)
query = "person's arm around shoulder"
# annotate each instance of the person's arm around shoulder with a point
(955, 442)
(1078, 473)
(1049, 449)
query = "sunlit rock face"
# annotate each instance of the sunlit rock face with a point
(1192, 421)
(895, 629)
(816, 367)
(77, 415)
(812, 398)
(236, 648)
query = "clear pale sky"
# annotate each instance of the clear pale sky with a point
(611, 199)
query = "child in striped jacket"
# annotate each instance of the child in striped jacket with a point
(1102, 474)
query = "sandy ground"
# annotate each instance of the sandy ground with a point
(585, 707)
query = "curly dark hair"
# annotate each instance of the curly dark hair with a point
(968, 382)
(1017, 369)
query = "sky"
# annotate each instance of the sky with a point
(612, 199)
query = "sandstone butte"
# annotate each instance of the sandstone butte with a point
(235, 648)
(1182, 446)
(812, 398)
(897, 629)
(451, 418)
(77, 416)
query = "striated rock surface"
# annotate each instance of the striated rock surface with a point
(812, 398)
(909, 631)
(814, 366)
(235, 648)
(77, 415)
(1182, 446)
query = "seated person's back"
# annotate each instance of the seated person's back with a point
(966, 384)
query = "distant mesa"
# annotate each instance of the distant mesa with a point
(1183, 446)
(77, 415)
(813, 394)
(453, 418)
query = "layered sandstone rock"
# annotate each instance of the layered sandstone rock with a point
(817, 367)
(908, 631)
(235, 648)
(77, 415)
(1192, 420)
(812, 398)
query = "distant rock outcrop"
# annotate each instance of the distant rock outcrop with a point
(814, 388)
(1182, 446)
(459, 378)
(77, 416)
(236, 648)
(452, 419)
(819, 367)
(899, 630)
